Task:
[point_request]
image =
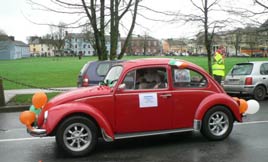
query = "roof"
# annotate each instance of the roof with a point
(20, 43)
(156, 61)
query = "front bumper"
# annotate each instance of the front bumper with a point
(37, 132)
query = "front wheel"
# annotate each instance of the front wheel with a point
(217, 123)
(77, 135)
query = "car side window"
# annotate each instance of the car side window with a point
(146, 78)
(103, 68)
(129, 80)
(264, 69)
(187, 78)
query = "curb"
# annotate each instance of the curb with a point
(16, 108)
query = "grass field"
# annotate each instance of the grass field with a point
(54, 72)
(26, 99)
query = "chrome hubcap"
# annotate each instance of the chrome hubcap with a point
(218, 123)
(77, 136)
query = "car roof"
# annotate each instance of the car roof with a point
(101, 61)
(258, 62)
(154, 61)
(253, 62)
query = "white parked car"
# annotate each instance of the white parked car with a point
(249, 78)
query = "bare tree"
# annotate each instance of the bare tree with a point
(205, 7)
(3, 39)
(234, 38)
(99, 15)
(262, 3)
(3, 35)
(57, 38)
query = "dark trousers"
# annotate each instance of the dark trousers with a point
(218, 78)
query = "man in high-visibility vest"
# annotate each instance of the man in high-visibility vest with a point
(218, 67)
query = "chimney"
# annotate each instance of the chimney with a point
(12, 38)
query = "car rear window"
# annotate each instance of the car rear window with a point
(84, 68)
(242, 69)
(103, 69)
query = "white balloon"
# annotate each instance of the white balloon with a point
(253, 107)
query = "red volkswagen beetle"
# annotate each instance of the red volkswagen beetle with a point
(140, 98)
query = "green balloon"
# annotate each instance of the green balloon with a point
(36, 111)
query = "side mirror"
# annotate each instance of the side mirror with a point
(121, 87)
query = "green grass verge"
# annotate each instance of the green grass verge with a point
(26, 99)
(51, 72)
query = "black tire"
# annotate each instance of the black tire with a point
(77, 135)
(259, 93)
(217, 123)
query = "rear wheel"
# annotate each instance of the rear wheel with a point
(217, 123)
(77, 135)
(259, 93)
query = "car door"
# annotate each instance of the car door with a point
(189, 88)
(146, 109)
(264, 74)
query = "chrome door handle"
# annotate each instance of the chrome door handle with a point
(166, 95)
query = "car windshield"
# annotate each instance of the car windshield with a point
(113, 75)
(242, 69)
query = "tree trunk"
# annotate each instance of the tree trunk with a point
(114, 29)
(102, 31)
(207, 41)
(123, 50)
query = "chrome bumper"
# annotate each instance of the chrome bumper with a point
(197, 125)
(37, 132)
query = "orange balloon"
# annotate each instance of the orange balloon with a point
(243, 106)
(39, 99)
(27, 118)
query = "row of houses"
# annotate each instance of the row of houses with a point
(247, 40)
(12, 49)
(78, 43)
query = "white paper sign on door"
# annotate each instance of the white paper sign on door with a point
(148, 100)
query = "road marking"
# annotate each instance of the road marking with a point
(25, 139)
(251, 122)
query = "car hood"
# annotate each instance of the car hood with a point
(73, 95)
(78, 94)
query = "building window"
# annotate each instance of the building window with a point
(88, 46)
(85, 46)
(75, 46)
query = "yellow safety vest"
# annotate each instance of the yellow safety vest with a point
(218, 68)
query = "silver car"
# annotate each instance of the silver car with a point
(249, 78)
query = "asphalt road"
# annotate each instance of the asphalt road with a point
(248, 142)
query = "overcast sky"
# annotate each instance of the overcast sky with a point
(14, 15)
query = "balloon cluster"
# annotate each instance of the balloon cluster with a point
(247, 107)
(28, 117)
